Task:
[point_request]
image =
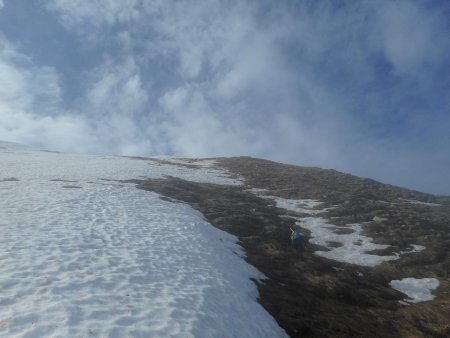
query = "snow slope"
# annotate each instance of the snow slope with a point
(81, 255)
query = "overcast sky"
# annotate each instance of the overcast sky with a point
(358, 86)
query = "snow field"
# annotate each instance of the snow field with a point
(111, 260)
(43, 166)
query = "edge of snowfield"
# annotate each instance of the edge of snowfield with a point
(84, 255)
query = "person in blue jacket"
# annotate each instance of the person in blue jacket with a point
(297, 242)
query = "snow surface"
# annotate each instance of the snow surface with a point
(107, 259)
(418, 290)
(41, 165)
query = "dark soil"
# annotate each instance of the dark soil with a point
(316, 297)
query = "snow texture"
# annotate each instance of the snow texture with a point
(81, 255)
(418, 290)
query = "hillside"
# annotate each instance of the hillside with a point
(332, 292)
(85, 253)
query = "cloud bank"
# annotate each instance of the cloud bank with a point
(359, 87)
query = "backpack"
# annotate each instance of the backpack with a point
(296, 235)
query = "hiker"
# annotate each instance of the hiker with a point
(297, 241)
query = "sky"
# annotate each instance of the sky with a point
(358, 86)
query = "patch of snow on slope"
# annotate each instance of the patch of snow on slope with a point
(221, 176)
(413, 248)
(111, 260)
(418, 290)
(257, 191)
(422, 203)
(353, 245)
(417, 248)
(196, 162)
(306, 206)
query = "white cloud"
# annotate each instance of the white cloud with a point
(115, 101)
(1, 4)
(194, 129)
(61, 132)
(30, 106)
(116, 88)
(79, 13)
(232, 76)
(409, 38)
(31, 111)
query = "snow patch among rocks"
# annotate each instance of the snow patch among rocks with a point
(306, 206)
(413, 248)
(417, 248)
(303, 206)
(258, 191)
(421, 203)
(354, 246)
(418, 290)
(205, 163)
(221, 176)
(343, 244)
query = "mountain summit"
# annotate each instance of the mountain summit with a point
(134, 246)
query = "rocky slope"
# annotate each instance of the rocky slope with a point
(362, 235)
